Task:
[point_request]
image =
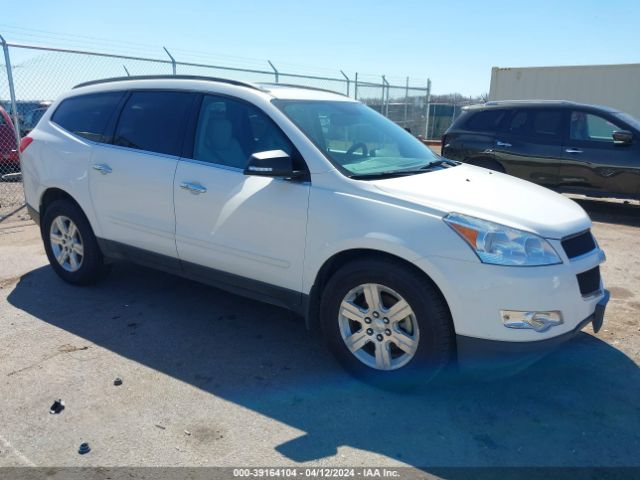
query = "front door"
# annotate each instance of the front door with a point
(593, 163)
(235, 230)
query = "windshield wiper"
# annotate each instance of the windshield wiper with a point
(439, 163)
(403, 173)
(388, 174)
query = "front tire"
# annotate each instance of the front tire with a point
(386, 323)
(70, 244)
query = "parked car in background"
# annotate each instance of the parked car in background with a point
(566, 146)
(310, 200)
(32, 118)
(9, 158)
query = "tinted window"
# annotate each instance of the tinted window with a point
(537, 123)
(87, 115)
(229, 131)
(518, 124)
(589, 127)
(547, 123)
(154, 121)
(486, 121)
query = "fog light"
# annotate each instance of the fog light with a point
(538, 321)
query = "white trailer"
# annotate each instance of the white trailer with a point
(616, 86)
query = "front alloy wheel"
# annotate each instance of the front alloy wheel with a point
(386, 323)
(378, 326)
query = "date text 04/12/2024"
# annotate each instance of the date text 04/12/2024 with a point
(316, 472)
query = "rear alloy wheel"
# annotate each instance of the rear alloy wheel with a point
(66, 243)
(386, 323)
(70, 244)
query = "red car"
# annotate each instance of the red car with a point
(9, 158)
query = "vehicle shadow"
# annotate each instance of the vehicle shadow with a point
(611, 212)
(578, 407)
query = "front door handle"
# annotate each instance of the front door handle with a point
(502, 144)
(103, 168)
(193, 187)
(573, 150)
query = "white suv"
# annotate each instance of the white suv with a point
(312, 201)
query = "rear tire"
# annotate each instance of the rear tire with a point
(393, 345)
(70, 244)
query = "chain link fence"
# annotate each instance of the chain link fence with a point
(32, 77)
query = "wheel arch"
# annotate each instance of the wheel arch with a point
(51, 194)
(336, 261)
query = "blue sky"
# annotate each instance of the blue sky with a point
(453, 42)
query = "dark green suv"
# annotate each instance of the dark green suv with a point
(565, 146)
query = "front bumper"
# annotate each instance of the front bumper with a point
(477, 353)
(477, 293)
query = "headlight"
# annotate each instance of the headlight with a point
(500, 245)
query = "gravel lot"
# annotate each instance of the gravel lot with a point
(11, 196)
(214, 379)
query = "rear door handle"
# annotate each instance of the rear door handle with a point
(193, 187)
(103, 168)
(502, 144)
(573, 150)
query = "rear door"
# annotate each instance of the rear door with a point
(131, 179)
(530, 147)
(472, 138)
(593, 163)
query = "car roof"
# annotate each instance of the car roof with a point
(274, 90)
(536, 103)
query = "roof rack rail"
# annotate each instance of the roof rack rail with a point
(167, 77)
(304, 87)
(530, 102)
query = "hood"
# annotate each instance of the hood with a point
(492, 196)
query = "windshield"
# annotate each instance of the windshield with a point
(357, 139)
(633, 121)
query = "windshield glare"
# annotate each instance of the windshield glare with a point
(356, 138)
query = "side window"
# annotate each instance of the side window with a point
(154, 121)
(592, 128)
(230, 131)
(87, 115)
(486, 120)
(541, 125)
(518, 123)
(547, 124)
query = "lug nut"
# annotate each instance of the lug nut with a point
(367, 320)
(387, 331)
(379, 337)
(385, 320)
(376, 314)
(369, 331)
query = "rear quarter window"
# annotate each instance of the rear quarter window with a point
(486, 120)
(87, 115)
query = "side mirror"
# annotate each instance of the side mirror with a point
(622, 137)
(272, 163)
